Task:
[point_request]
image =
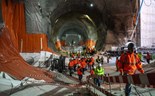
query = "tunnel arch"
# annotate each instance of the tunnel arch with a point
(96, 23)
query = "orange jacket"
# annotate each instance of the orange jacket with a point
(117, 63)
(129, 63)
(75, 62)
(148, 56)
(71, 63)
(79, 71)
(92, 72)
(92, 61)
(83, 64)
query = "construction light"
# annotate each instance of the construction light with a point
(91, 5)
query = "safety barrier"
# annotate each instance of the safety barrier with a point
(89, 83)
(142, 80)
(98, 88)
(137, 79)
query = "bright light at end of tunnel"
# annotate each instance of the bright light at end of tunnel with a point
(91, 5)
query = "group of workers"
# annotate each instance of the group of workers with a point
(82, 62)
(127, 64)
(56, 63)
(80, 65)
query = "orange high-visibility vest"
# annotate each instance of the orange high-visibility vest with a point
(129, 63)
(71, 63)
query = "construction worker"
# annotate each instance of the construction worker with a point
(79, 72)
(129, 63)
(92, 71)
(75, 62)
(70, 67)
(90, 62)
(50, 63)
(117, 63)
(102, 60)
(98, 59)
(99, 71)
(83, 65)
(148, 57)
(108, 58)
(61, 63)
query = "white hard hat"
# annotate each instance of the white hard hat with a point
(100, 65)
(131, 44)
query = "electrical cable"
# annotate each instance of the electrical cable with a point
(138, 92)
(137, 20)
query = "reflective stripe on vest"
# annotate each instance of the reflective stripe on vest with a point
(99, 71)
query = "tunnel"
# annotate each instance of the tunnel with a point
(77, 27)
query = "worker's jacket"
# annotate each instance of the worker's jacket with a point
(117, 63)
(99, 71)
(71, 63)
(92, 61)
(92, 72)
(75, 61)
(129, 63)
(83, 63)
(148, 56)
(79, 71)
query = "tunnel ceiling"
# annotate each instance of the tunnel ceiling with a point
(64, 17)
(77, 7)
